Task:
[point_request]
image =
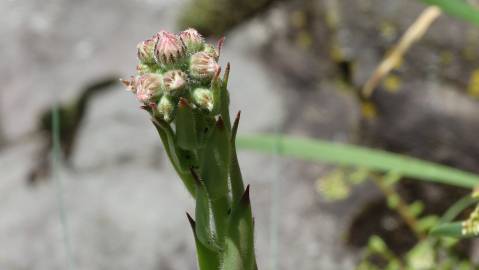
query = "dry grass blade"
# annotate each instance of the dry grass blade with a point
(413, 34)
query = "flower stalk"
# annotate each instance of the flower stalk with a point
(180, 86)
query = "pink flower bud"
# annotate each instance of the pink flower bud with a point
(192, 39)
(203, 66)
(148, 86)
(169, 48)
(146, 51)
(130, 84)
(174, 80)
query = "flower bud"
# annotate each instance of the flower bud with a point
(211, 51)
(203, 66)
(143, 69)
(203, 98)
(146, 50)
(148, 86)
(192, 39)
(130, 84)
(169, 48)
(174, 81)
(166, 108)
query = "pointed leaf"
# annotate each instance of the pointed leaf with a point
(174, 154)
(241, 230)
(207, 259)
(215, 162)
(205, 229)
(186, 136)
(236, 179)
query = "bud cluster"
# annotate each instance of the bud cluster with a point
(173, 66)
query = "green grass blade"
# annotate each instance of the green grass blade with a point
(457, 8)
(350, 155)
(457, 208)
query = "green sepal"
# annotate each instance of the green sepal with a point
(186, 136)
(241, 231)
(207, 259)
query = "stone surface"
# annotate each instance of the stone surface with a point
(124, 207)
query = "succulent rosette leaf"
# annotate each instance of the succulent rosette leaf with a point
(179, 84)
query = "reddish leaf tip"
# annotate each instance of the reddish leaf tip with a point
(238, 116)
(220, 123)
(182, 103)
(245, 198)
(220, 44)
(191, 221)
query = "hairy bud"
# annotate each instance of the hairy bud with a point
(169, 48)
(146, 51)
(130, 84)
(174, 80)
(148, 86)
(203, 98)
(192, 40)
(211, 51)
(165, 108)
(203, 66)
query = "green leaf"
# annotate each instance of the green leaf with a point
(393, 201)
(350, 155)
(214, 167)
(241, 231)
(416, 208)
(426, 223)
(175, 155)
(453, 229)
(204, 126)
(232, 258)
(186, 136)
(457, 8)
(459, 206)
(236, 179)
(421, 256)
(377, 245)
(205, 229)
(211, 215)
(391, 178)
(207, 259)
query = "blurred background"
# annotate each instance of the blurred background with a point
(298, 67)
